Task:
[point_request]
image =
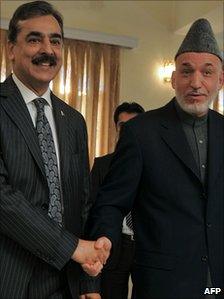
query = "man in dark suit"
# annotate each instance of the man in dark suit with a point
(168, 168)
(44, 168)
(115, 277)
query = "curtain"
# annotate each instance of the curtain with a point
(218, 104)
(89, 82)
(5, 65)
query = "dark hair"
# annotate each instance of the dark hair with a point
(30, 10)
(129, 108)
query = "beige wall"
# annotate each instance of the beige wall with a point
(157, 41)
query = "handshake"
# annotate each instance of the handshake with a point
(92, 255)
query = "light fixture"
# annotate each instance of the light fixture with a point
(167, 70)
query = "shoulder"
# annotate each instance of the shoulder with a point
(67, 110)
(216, 116)
(153, 116)
(103, 160)
(152, 119)
(7, 87)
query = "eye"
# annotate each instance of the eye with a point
(207, 72)
(186, 72)
(56, 41)
(33, 40)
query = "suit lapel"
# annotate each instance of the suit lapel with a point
(61, 123)
(215, 147)
(15, 107)
(173, 134)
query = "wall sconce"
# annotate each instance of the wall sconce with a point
(166, 70)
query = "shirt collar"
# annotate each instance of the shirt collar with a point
(28, 95)
(190, 119)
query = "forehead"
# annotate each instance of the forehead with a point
(43, 24)
(125, 116)
(197, 59)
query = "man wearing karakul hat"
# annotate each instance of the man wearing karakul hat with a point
(169, 166)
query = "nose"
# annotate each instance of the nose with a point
(196, 80)
(46, 47)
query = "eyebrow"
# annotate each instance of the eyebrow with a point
(39, 34)
(189, 65)
(186, 64)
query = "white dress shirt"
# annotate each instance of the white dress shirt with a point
(28, 96)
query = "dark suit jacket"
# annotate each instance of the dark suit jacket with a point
(178, 224)
(97, 175)
(27, 233)
(99, 170)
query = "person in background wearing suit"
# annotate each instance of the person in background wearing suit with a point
(168, 168)
(115, 276)
(44, 169)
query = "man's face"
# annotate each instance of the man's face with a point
(37, 53)
(122, 118)
(197, 80)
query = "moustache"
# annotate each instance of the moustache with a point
(45, 58)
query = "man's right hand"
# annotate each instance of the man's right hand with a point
(92, 255)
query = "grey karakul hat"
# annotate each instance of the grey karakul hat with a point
(200, 38)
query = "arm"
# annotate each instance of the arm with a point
(26, 225)
(22, 189)
(119, 189)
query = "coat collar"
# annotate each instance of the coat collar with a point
(215, 147)
(62, 128)
(15, 107)
(173, 134)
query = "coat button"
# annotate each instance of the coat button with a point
(204, 258)
(209, 224)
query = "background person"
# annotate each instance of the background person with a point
(115, 276)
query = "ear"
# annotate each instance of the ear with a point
(10, 48)
(173, 79)
(221, 79)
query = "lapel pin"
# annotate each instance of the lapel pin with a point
(62, 113)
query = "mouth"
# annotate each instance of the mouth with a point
(193, 97)
(44, 64)
(45, 60)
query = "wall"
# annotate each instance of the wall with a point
(139, 66)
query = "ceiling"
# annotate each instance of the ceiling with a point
(176, 16)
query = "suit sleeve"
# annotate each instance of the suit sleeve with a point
(86, 202)
(27, 226)
(116, 195)
(95, 180)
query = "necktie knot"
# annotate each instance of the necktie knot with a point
(40, 103)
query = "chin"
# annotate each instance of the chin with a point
(44, 79)
(196, 108)
(44, 76)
